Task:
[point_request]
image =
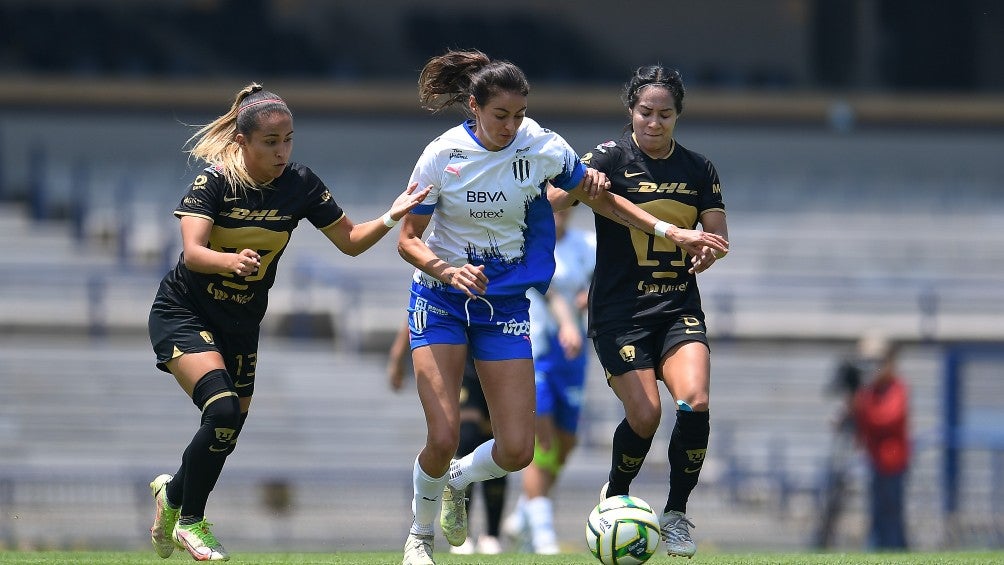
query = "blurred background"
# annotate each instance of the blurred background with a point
(860, 145)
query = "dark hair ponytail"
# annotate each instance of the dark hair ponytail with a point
(452, 77)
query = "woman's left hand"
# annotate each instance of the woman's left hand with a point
(407, 201)
(594, 183)
(703, 260)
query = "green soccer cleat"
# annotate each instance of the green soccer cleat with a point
(200, 543)
(418, 550)
(164, 518)
(453, 516)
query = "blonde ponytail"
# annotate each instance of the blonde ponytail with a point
(215, 143)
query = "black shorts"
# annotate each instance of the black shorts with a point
(471, 394)
(644, 347)
(175, 330)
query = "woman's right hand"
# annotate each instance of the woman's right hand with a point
(470, 279)
(570, 338)
(245, 263)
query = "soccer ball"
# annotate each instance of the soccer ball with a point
(622, 530)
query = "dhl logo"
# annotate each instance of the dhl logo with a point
(664, 188)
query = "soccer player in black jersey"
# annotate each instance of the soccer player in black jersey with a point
(645, 313)
(236, 220)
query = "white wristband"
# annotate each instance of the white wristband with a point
(661, 228)
(388, 221)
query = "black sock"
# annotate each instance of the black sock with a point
(215, 439)
(471, 437)
(494, 491)
(687, 448)
(175, 489)
(202, 470)
(628, 453)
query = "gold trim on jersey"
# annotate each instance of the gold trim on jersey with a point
(203, 216)
(672, 148)
(334, 223)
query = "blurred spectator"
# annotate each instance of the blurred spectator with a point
(836, 476)
(881, 412)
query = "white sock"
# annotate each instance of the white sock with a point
(518, 515)
(539, 513)
(425, 503)
(476, 466)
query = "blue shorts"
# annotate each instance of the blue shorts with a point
(559, 384)
(496, 328)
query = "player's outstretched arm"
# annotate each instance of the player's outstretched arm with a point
(353, 239)
(625, 212)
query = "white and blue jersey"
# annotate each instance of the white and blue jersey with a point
(490, 207)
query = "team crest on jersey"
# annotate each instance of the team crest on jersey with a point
(200, 181)
(521, 169)
(326, 196)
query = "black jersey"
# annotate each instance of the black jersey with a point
(650, 285)
(261, 219)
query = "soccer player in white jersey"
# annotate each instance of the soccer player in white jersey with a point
(491, 238)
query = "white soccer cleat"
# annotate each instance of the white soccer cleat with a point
(488, 545)
(675, 528)
(418, 550)
(516, 531)
(466, 548)
(547, 546)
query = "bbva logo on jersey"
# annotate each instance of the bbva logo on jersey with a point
(484, 196)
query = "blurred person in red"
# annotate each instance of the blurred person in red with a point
(881, 409)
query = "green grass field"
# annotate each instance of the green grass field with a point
(393, 558)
